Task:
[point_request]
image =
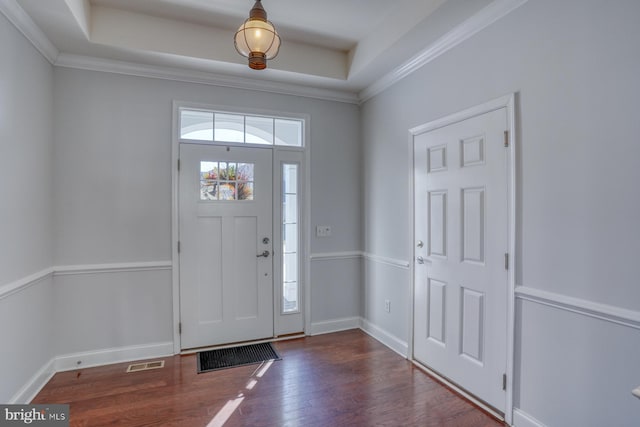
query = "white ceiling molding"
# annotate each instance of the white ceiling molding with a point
(487, 16)
(398, 23)
(190, 76)
(23, 22)
(81, 10)
(146, 33)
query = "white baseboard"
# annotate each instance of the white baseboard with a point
(34, 385)
(391, 341)
(384, 337)
(89, 359)
(522, 419)
(335, 325)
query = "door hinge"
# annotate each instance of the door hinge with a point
(178, 246)
(506, 261)
(180, 328)
(178, 165)
(506, 138)
(504, 381)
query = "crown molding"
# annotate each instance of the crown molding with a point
(487, 16)
(23, 22)
(481, 20)
(67, 60)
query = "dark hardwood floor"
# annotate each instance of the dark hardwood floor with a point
(340, 379)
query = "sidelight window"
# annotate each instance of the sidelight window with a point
(290, 239)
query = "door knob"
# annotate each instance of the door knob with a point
(420, 244)
(264, 254)
(420, 260)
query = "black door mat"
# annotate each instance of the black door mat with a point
(223, 358)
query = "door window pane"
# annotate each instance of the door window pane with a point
(197, 125)
(229, 128)
(290, 179)
(290, 238)
(288, 132)
(245, 171)
(259, 130)
(245, 190)
(227, 190)
(226, 180)
(290, 212)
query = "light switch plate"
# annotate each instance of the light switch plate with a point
(323, 231)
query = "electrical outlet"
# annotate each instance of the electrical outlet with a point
(387, 306)
(323, 231)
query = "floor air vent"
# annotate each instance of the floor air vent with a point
(136, 367)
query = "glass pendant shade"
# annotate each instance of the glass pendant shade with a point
(257, 39)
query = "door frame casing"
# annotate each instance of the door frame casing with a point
(508, 102)
(304, 205)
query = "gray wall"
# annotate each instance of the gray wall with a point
(99, 192)
(112, 169)
(26, 87)
(574, 65)
(86, 185)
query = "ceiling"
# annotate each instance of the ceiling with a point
(342, 45)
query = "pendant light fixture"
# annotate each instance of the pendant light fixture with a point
(257, 38)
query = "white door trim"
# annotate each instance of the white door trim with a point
(175, 225)
(508, 102)
(305, 205)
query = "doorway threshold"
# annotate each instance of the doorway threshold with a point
(239, 343)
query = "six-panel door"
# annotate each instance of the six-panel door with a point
(461, 212)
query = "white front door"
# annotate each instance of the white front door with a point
(226, 248)
(461, 235)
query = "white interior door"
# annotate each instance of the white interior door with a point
(226, 248)
(461, 234)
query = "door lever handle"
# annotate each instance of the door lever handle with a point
(264, 254)
(420, 260)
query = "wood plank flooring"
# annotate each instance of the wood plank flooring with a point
(341, 379)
